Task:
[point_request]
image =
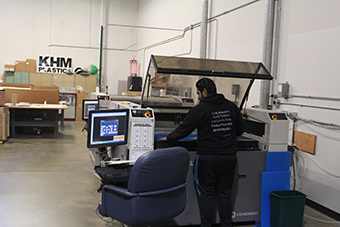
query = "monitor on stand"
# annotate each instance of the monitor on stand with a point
(89, 105)
(108, 127)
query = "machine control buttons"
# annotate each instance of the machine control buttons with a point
(141, 113)
(147, 114)
(277, 116)
(103, 97)
(187, 100)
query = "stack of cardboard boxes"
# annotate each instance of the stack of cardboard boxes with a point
(23, 74)
(4, 117)
(22, 66)
(20, 72)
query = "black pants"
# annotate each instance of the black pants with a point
(214, 174)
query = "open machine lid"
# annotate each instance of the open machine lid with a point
(176, 77)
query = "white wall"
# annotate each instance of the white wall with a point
(32, 25)
(308, 60)
(116, 64)
(234, 36)
(308, 57)
(174, 14)
(31, 28)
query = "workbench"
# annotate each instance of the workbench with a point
(52, 109)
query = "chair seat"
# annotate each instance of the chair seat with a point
(156, 189)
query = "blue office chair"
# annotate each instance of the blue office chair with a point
(156, 189)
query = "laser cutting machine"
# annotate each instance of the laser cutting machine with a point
(168, 91)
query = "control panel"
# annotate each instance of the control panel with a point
(141, 128)
(141, 113)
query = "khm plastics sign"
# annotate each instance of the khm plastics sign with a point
(49, 64)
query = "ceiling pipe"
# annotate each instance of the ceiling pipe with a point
(267, 51)
(188, 28)
(204, 29)
(203, 23)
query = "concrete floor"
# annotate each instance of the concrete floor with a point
(49, 182)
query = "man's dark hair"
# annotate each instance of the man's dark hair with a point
(206, 83)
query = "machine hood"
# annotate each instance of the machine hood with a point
(174, 78)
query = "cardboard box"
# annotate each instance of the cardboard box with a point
(2, 96)
(88, 82)
(35, 79)
(41, 79)
(80, 96)
(30, 65)
(9, 68)
(20, 66)
(30, 93)
(65, 82)
(18, 86)
(7, 123)
(4, 122)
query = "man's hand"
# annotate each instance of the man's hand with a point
(163, 139)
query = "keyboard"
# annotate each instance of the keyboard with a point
(114, 174)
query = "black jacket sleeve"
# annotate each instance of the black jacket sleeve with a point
(239, 128)
(184, 129)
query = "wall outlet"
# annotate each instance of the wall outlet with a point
(292, 115)
(283, 90)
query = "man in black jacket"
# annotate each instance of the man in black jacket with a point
(218, 122)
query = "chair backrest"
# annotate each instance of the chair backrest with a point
(159, 169)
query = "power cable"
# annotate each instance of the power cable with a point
(107, 221)
(322, 168)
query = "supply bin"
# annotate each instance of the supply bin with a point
(287, 208)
